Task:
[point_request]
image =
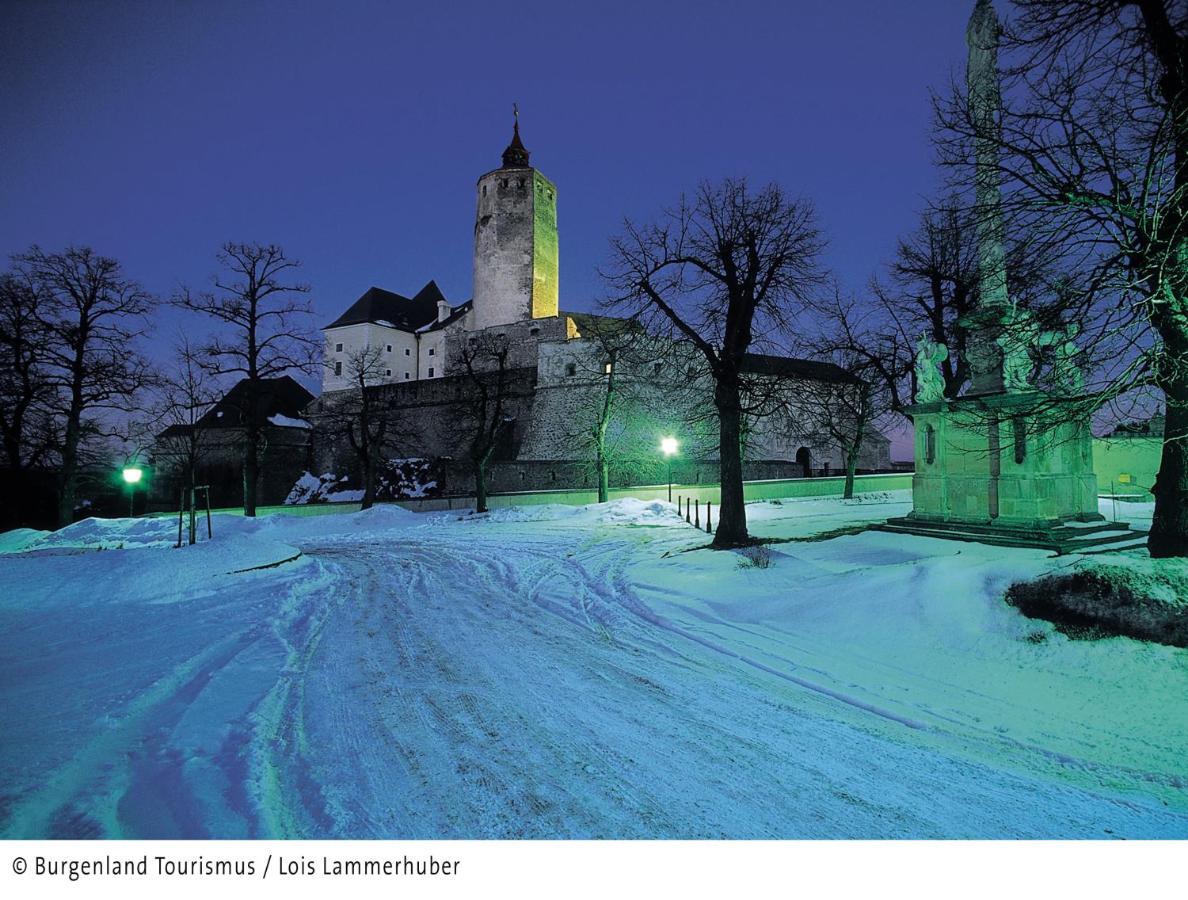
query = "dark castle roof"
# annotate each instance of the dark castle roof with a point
(394, 310)
(456, 313)
(516, 154)
(764, 364)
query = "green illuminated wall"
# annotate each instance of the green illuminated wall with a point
(1129, 464)
(545, 278)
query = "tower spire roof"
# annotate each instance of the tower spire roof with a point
(516, 154)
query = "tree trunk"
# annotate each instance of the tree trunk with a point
(251, 471)
(603, 477)
(480, 486)
(851, 466)
(1169, 527)
(732, 513)
(368, 484)
(193, 514)
(68, 476)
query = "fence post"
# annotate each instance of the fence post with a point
(708, 529)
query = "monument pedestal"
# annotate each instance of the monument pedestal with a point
(1006, 468)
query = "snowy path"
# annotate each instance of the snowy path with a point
(538, 675)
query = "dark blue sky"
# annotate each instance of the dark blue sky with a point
(352, 133)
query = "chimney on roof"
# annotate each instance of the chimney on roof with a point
(443, 310)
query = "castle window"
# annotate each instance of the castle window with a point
(608, 367)
(406, 351)
(431, 371)
(484, 190)
(389, 348)
(338, 368)
(521, 182)
(406, 376)
(570, 369)
(388, 373)
(338, 348)
(431, 349)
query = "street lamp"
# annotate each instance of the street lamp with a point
(669, 446)
(132, 475)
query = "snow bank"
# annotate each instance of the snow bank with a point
(110, 534)
(339, 526)
(19, 538)
(626, 511)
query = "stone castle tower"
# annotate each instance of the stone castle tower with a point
(515, 242)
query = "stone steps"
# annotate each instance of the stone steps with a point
(1073, 537)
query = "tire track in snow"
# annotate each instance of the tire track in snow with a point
(484, 707)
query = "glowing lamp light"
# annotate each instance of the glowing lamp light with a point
(132, 474)
(669, 446)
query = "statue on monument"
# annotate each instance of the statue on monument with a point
(1017, 341)
(930, 384)
(1067, 376)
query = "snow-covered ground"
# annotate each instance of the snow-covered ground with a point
(555, 671)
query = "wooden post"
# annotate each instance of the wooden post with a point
(697, 514)
(708, 528)
(206, 489)
(193, 516)
(688, 515)
(181, 508)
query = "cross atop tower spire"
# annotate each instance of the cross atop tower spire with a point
(516, 155)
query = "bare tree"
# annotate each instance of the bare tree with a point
(358, 414)
(483, 416)
(270, 334)
(853, 336)
(26, 427)
(721, 272)
(611, 361)
(1092, 150)
(93, 315)
(185, 393)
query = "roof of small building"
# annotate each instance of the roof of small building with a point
(276, 397)
(393, 310)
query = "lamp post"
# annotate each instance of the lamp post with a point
(132, 475)
(669, 446)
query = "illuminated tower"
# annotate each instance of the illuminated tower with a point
(515, 242)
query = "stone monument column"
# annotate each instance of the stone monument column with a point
(998, 464)
(988, 324)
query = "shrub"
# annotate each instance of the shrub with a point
(756, 558)
(1133, 597)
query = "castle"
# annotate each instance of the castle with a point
(555, 370)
